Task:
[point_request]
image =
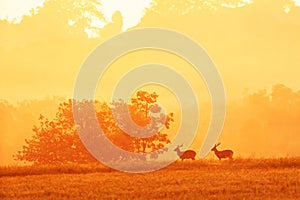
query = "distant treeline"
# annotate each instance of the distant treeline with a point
(263, 123)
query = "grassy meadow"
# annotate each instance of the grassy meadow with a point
(202, 179)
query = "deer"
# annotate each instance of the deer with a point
(188, 154)
(222, 154)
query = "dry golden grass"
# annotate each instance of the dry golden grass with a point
(204, 179)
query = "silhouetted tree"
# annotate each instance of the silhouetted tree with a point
(266, 120)
(57, 141)
(142, 109)
(75, 15)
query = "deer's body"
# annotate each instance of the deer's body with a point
(222, 154)
(189, 154)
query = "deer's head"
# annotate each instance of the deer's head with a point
(215, 147)
(178, 147)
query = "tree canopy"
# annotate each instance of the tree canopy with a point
(57, 141)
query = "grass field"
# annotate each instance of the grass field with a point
(203, 179)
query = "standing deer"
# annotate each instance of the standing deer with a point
(222, 154)
(188, 154)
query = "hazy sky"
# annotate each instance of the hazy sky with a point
(247, 29)
(249, 32)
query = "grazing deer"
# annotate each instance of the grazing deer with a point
(188, 154)
(222, 154)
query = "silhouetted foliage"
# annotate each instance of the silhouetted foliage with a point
(16, 122)
(143, 109)
(266, 120)
(75, 15)
(57, 141)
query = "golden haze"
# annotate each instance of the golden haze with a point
(253, 48)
